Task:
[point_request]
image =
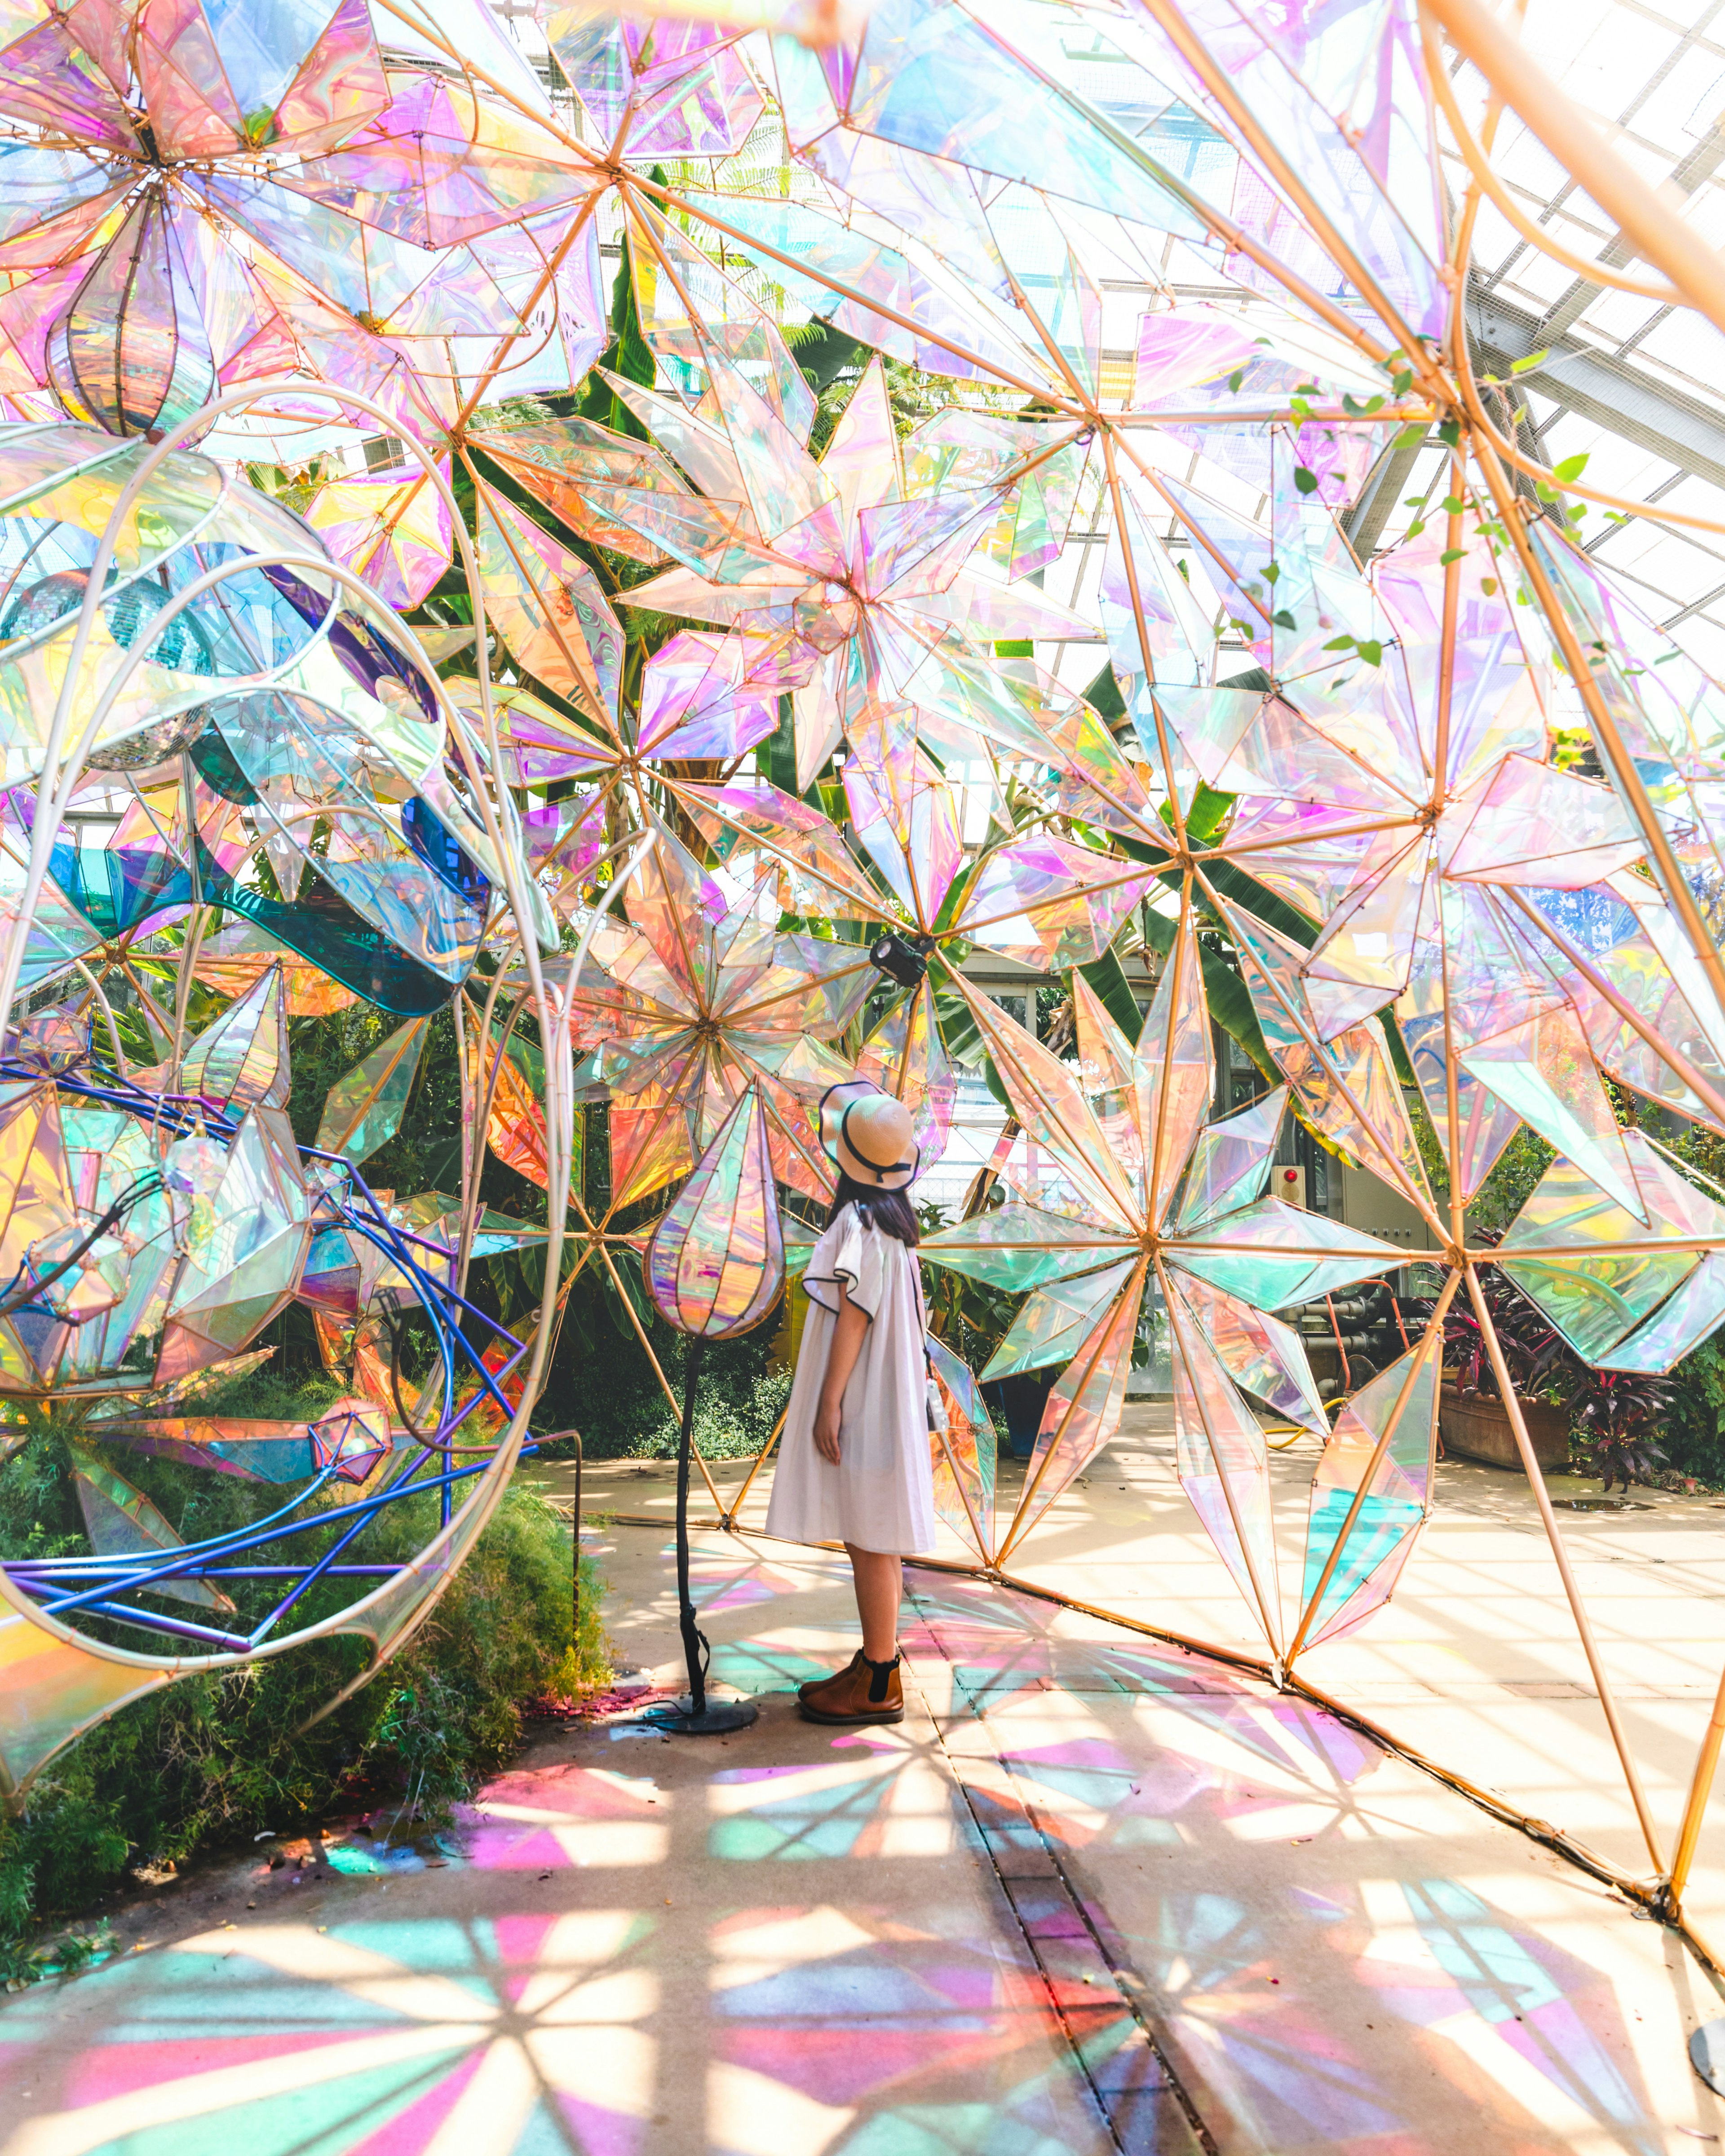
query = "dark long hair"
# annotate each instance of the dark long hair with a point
(890, 1210)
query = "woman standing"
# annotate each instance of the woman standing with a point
(856, 1465)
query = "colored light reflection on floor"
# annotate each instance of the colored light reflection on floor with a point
(1325, 2016)
(796, 1944)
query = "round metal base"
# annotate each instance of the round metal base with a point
(1707, 2055)
(720, 1718)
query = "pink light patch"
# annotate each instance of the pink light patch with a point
(838, 2064)
(744, 1594)
(120, 2069)
(579, 1793)
(513, 1848)
(520, 1938)
(732, 1774)
(576, 1793)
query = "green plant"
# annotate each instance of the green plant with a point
(1695, 1422)
(971, 1317)
(1613, 1413)
(219, 1757)
(1616, 1417)
(1510, 1183)
(1541, 1365)
(621, 1411)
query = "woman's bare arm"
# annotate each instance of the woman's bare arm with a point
(842, 1352)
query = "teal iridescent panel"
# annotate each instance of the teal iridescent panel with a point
(1400, 1401)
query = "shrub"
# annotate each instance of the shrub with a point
(1540, 1363)
(1614, 1414)
(620, 1410)
(222, 1757)
(1695, 1424)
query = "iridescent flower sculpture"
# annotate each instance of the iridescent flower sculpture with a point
(909, 395)
(209, 197)
(842, 584)
(180, 652)
(1040, 899)
(700, 1000)
(1137, 1194)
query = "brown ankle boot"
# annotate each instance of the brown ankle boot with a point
(867, 1692)
(815, 1684)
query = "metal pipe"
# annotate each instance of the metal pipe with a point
(1695, 1807)
(1659, 235)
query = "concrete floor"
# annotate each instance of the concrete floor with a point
(1094, 1895)
(1475, 1664)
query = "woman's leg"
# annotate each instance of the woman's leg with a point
(862, 1693)
(880, 1580)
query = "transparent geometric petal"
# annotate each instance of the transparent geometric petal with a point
(122, 1521)
(1083, 1410)
(750, 822)
(1049, 903)
(1052, 1322)
(1686, 1318)
(1176, 1076)
(1222, 1466)
(715, 1264)
(1622, 1272)
(1017, 1246)
(1347, 1085)
(364, 1109)
(549, 608)
(1263, 1355)
(964, 1454)
(1543, 1069)
(1370, 939)
(242, 1058)
(1230, 1162)
(906, 818)
(1271, 1255)
(1529, 824)
(1396, 1500)
(1484, 1124)
(1110, 1076)
(514, 1121)
(1047, 1098)
(861, 461)
(702, 696)
(905, 1057)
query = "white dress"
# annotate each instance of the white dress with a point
(880, 1494)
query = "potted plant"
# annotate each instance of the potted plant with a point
(972, 1319)
(1545, 1374)
(1016, 1404)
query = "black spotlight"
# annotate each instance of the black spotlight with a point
(900, 961)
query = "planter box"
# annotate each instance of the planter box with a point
(1015, 1406)
(1480, 1430)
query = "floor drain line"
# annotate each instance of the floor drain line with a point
(1104, 2104)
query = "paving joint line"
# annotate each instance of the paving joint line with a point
(1106, 2103)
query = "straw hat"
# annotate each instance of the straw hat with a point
(869, 1135)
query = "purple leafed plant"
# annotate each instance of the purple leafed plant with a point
(1618, 1414)
(1542, 1365)
(1615, 1413)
